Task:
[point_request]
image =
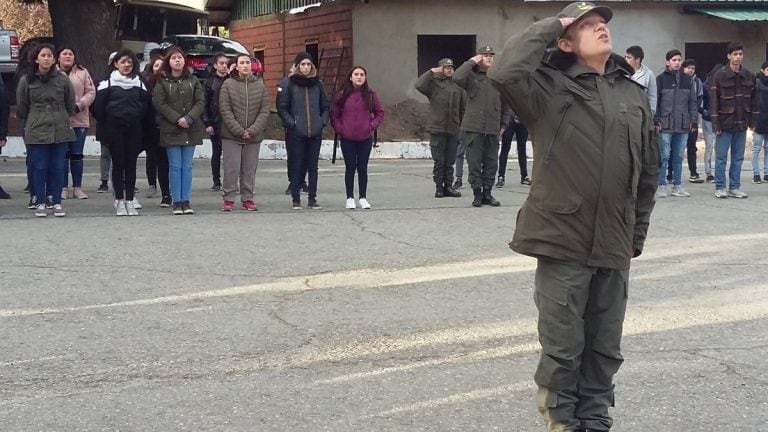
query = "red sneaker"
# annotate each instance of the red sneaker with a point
(249, 205)
(227, 206)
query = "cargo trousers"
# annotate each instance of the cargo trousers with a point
(482, 159)
(581, 317)
(443, 148)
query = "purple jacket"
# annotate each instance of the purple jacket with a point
(354, 121)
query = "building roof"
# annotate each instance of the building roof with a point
(731, 14)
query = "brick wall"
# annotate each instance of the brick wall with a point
(330, 26)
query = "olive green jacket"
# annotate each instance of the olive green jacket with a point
(46, 104)
(484, 113)
(447, 102)
(175, 98)
(596, 159)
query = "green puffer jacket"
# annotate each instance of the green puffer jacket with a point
(175, 98)
(46, 103)
(596, 159)
(447, 102)
(244, 104)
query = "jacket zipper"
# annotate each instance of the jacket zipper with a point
(306, 104)
(246, 106)
(564, 110)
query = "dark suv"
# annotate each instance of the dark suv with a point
(201, 49)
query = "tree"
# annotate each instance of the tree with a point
(87, 26)
(29, 20)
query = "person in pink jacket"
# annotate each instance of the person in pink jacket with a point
(85, 92)
(355, 113)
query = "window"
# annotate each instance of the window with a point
(310, 46)
(707, 56)
(432, 48)
(259, 53)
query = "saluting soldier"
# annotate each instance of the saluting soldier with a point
(447, 102)
(587, 214)
(482, 125)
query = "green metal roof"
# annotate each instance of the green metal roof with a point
(748, 14)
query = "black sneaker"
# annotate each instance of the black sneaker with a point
(186, 209)
(458, 184)
(525, 181)
(304, 188)
(296, 205)
(4, 194)
(288, 190)
(765, 179)
(501, 182)
(711, 178)
(31, 204)
(49, 202)
(165, 202)
(313, 205)
(177, 210)
(695, 178)
(103, 188)
(756, 179)
(669, 178)
(216, 187)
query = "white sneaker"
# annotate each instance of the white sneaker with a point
(677, 191)
(114, 203)
(130, 208)
(120, 208)
(136, 203)
(661, 192)
(736, 193)
(58, 211)
(720, 193)
(351, 203)
(364, 204)
(64, 193)
(41, 211)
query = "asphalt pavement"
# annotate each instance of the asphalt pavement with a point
(412, 316)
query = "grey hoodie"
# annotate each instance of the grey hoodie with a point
(645, 77)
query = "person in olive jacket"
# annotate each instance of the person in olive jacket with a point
(304, 108)
(244, 109)
(482, 124)
(596, 162)
(45, 100)
(447, 102)
(179, 100)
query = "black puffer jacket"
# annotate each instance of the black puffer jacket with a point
(304, 106)
(761, 94)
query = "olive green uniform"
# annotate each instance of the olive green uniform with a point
(587, 214)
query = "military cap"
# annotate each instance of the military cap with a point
(446, 62)
(577, 10)
(486, 50)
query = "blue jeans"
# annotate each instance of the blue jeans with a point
(733, 140)
(709, 145)
(674, 144)
(75, 157)
(759, 141)
(48, 167)
(180, 171)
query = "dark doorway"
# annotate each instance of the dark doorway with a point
(259, 54)
(310, 46)
(432, 48)
(707, 56)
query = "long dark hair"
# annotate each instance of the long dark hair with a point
(125, 53)
(151, 76)
(74, 53)
(349, 88)
(32, 73)
(185, 73)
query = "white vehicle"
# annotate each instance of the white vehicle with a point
(9, 50)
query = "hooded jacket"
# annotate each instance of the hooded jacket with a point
(677, 109)
(732, 100)
(174, 98)
(303, 104)
(596, 162)
(85, 94)
(46, 102)
(447, 102)
(244, 104)
(645, 77)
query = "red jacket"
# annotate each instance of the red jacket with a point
(355, 121)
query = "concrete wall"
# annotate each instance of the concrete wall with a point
(386, 31)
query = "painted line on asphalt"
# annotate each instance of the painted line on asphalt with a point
(459, 398)
(37, 360)
(356, 279)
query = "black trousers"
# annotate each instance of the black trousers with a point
(125, 144)
(443, 147)
(303, 154)
(516, 130)
(216, 158)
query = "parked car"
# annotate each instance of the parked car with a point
(9, 51)
(201, 49)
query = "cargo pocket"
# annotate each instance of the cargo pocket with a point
(548, 283)
(546, 398)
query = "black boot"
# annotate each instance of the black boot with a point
(449, 191)
(478, 201)
(438, 190)
(458, 184)
(4, 194)
(489, 199)
(500, 183)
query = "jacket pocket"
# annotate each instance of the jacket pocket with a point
(568, 204)
(563, 131)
